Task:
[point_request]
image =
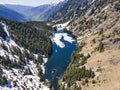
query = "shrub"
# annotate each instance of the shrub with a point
(86, 80)
(117, 6)
(94, 41)
(4, 80)
(101, 32)
(93, 81)
(100, 47)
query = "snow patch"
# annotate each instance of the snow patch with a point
(30, 81)
(9, 43)
(57, 39)
(68, 38)
(5, 28)
(58, 36)
(16, 76)
(43, 64)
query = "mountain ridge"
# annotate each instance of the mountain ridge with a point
(10, 14)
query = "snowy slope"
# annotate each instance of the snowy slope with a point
(17, 78)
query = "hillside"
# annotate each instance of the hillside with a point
(96, 25)
(72, 9)
(24, 48)
(43, 12)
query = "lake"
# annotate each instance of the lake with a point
(63, 45)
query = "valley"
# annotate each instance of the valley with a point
(70, 45)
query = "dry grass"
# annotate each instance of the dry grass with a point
(108, 61)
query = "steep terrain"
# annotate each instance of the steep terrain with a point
(10, 14)
(23, 51)
(72, 9)
(95, 64)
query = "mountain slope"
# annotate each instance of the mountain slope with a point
(75, 9)
(37, 13)
(72, 9)
(22, 54)
(43, 12)
(10, 14)
(96, 24)
(18, 8)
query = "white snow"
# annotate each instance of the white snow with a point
(17, 75)
(58, 36)
(24, 80)
(57, 39)
(43, 64)
(56, 2)
(5, 28)
(68, 38)
(9, 45)
(45, 60)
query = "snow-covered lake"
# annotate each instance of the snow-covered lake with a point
(59, 37)
(63, 46)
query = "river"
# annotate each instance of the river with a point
(63, 45)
